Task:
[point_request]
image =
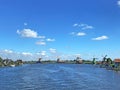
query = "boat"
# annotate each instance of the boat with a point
(12, 65)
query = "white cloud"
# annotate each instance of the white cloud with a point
(25, 24)
(41, 37)
(83, 26)
(100, 38)
(50, 40)
(15, 55)
(87, 27)
(43, 53)
(52, 50)
(77, 55)
(81, 34)
(28, 33)
(75, 25)
(78, 33)
(21, 55)
(8, 51)
(72, 33)
(118, 2)
(18, 32)
(41, 43)
(7, 54)
(26, 54)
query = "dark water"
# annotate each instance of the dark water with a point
(58, 77)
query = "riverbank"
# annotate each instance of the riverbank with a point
(108, 64)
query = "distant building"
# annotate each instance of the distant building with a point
(19, 62)
(99, 62)
(117, 62)
(79, 60)
(60, 61)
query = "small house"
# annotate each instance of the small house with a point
(117, 62)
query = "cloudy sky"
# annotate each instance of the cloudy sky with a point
(30, 29)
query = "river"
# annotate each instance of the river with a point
(58, 77)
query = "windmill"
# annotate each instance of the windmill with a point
(104, 58)
(58, 58)
(39, 60)
(94, 60)
(78, 60)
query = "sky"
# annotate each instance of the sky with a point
(64, 29)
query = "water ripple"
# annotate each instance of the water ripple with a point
(58, 77)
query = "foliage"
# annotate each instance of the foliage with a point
(1, 59)
(94, 61)
(109, 60)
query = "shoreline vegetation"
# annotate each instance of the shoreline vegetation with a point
(107, 63)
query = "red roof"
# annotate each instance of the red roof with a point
(117, 60)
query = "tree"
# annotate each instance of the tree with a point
(1, 59)
(109, 60)
(94, 61)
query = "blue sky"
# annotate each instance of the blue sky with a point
(30, 29)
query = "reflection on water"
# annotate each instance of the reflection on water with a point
(58, 77)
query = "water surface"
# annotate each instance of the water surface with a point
(58, 77)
